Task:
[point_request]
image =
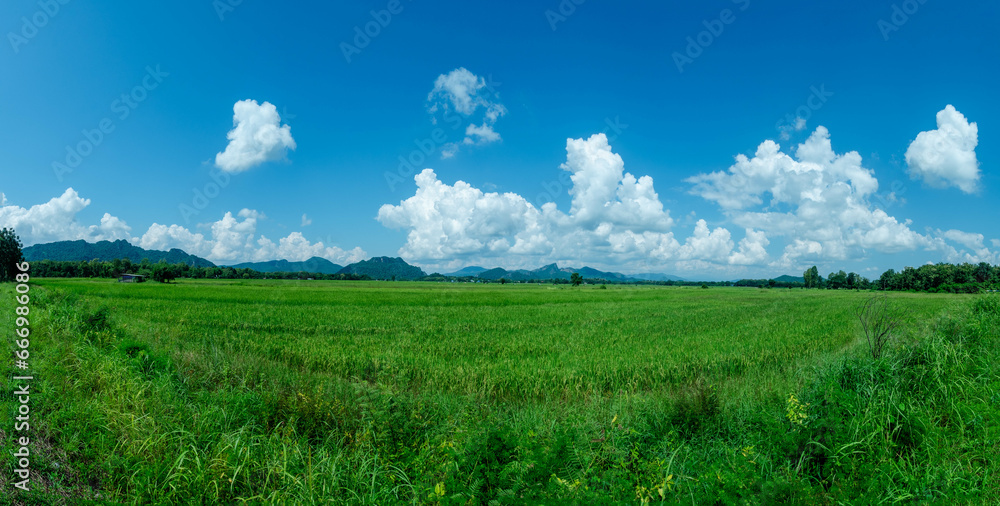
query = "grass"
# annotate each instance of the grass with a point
(380, 393)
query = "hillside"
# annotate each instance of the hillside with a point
(551, 271)
(107, 251)
(656, 276)
(314, 264)
(790, 279)
(472, 270)
(384, 268)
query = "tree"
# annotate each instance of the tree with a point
(811, 277)
(163, 273)
(982, 272)
(10, 254)
(503, 281)
(910, 280)
(576, 279)
(852, 280)
(864, 283)
(888, 280)
(837, 280)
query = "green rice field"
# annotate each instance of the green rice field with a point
(316, 392)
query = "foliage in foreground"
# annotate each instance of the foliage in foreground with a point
(128, 422)
(10, 254)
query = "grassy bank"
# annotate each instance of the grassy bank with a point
(385, 393)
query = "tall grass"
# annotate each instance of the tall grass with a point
(376, 393)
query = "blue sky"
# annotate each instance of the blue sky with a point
(678, 90)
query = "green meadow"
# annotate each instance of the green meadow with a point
(317, 392)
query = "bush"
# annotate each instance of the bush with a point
(143, 359)
(880, 318)
(95, 321)
(486, 463)
(163, 273)
(697, 406)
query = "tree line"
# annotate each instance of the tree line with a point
(164, 272)
(934, 278)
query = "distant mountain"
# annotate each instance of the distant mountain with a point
(495, 273)
(589, 272)
(467, 271)
(384, 268)
(654, 276)
(790, 279)
(314, 264)
(375, 268)
(551, 271)
(76, 251)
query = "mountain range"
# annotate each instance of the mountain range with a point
(375, 268)
(76, 251)
(655, 276)
(551, 271)
(384, 268)
(314, 264)
(472, 270)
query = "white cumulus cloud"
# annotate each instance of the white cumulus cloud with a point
(481, 134)
(457, 90)
(614, 219)
(752, 249)
(111, 228)
(820, 202)
(257, 137)
(946, 156)
(818, 199)
(234, 239)
(459, 97)
(56, 220)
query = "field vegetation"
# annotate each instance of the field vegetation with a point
(298, 392)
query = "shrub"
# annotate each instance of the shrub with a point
(697, 406)
(880, 318)
(486, 463)
(95, 321)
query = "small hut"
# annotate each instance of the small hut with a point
(131, 278)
